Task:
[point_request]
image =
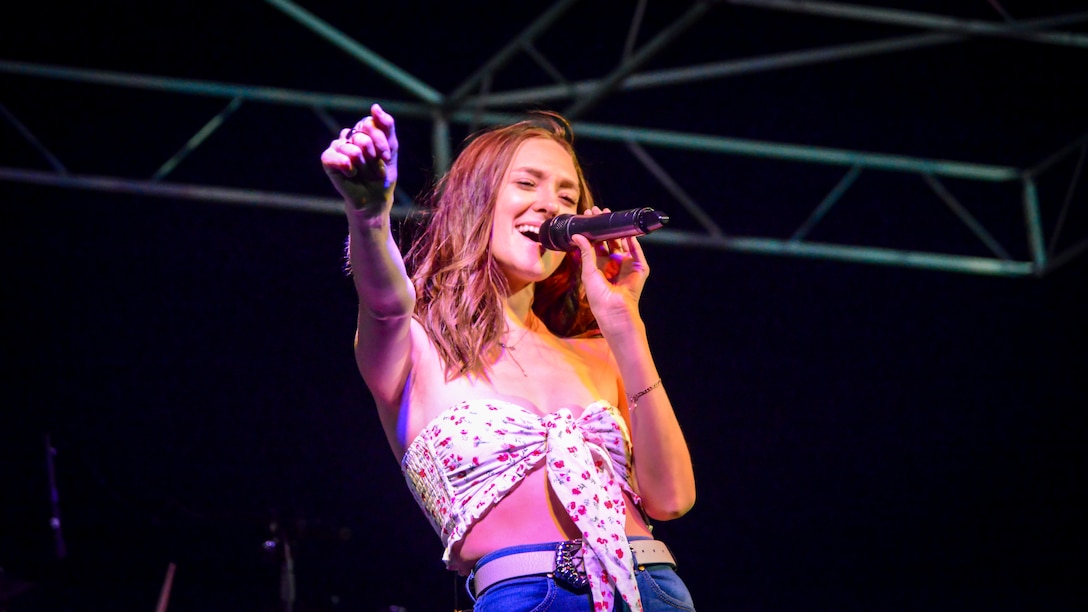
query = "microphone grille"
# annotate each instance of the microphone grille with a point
(555, 233)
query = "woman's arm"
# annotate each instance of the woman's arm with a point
(663, 468)
(362, 165)
(666, 479)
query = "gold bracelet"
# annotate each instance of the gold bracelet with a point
(634, 398)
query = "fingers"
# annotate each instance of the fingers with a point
(610, 255)
(634, 248)
(370, 140)
(375, 135)
(588, 254)
(602, 249)
(334, 160)
(370, 146)
(388, 131)
(616, 249)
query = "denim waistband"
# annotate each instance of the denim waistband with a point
(522, 548)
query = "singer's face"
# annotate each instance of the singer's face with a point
(540, 183)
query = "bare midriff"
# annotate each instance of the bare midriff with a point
(521, 518)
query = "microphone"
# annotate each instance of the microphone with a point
(555, 233)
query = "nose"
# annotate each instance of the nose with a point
(547, 204)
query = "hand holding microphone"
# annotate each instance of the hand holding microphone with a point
(555, 233)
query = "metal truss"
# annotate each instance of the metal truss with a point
(472, 104)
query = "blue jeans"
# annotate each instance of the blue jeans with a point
(660, 587)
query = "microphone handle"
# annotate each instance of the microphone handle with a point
(634, 222)
(611, 226)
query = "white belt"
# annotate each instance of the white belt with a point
(646, 552)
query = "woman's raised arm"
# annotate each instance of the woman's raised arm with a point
(362, 165)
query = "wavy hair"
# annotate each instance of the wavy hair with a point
(460, 289)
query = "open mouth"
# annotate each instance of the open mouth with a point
(532, 232)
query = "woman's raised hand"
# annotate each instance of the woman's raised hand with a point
(362, 162)
(613, 286)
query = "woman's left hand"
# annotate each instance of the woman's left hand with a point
(613, 286)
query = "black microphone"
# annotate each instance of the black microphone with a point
(555, 233)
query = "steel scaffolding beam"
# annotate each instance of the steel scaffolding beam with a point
(471, 104)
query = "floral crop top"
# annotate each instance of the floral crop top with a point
(471, 455)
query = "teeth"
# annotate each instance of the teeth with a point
(530, 231)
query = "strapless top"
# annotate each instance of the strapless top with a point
(472, 454)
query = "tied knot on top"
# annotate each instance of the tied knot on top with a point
(583, 477)
(475, 452)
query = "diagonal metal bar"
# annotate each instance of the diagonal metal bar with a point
(675, 189)
(387, 69)
(545, 65)
(608, 84)
(1068, 201)
(929, 21)
(53, 160)
(965, 216)
(1001, 10)
(825, 206)
(327, 120)
(198, 138)
(716, 70)
(791, 59)
(1065, 257)
(508, 52)
(632, 31)
(1057, 156)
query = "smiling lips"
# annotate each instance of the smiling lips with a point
(530, 231)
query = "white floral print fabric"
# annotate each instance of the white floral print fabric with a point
(472, 454)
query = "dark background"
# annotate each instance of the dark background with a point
(865, 437)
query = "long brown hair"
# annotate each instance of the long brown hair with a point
(459, 288)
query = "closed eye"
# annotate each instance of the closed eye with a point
(569, 202)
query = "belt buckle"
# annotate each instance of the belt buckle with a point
(569, 565)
